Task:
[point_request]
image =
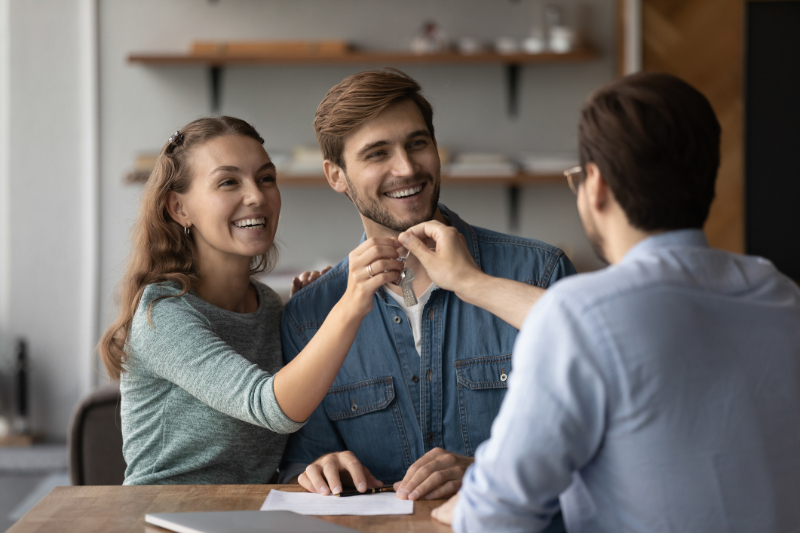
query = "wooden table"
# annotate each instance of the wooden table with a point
(122, 509)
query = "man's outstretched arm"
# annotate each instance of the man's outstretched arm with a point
(551, 424)
(452, 268)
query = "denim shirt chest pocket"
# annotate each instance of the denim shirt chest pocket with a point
(482, 384)
(368, 417)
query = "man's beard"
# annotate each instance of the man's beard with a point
(373, 210)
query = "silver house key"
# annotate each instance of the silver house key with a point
(407, 286)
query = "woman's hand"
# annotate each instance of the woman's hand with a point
(305, 278)
(372, 264)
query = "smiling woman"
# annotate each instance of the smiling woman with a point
(196, 345)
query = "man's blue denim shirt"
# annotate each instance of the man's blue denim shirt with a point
(390, 405)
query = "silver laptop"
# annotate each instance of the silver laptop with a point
(243, 522)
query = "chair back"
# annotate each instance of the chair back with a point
(95, 439)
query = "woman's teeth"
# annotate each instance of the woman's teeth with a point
(251, 222)
(406, 192)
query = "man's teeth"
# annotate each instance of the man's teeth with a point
(250, 222)
(405, 192)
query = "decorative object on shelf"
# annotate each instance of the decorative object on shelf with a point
(534, 43)
(561, 39)
(469, 46)
(430, 39)
(269, 48)
(481, 165)
(506, 45)
(546, 163)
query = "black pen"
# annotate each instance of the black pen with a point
(345, 493)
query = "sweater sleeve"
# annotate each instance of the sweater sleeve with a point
(182, 347)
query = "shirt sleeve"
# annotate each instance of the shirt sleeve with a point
(182, 348)
(319, 436)
(551, 423)
(562, 269)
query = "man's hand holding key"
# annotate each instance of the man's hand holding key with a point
(450, 264)
(452, 268)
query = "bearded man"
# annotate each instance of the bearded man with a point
(427, 371)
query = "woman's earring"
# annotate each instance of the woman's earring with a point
(187, 231)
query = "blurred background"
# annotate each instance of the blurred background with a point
(91, 89)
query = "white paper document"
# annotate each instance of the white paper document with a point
(315, 504)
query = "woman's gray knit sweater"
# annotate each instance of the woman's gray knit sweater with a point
(198, 405)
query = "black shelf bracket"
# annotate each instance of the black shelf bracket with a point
(215, 77)
(512, 88)
(513, 208)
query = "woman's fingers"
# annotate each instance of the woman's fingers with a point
(384, 265)
(373, 254)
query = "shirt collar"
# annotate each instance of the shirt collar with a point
(462, 227)
(678, 238)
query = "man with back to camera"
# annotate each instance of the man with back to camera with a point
(669, 381)
(422, 383)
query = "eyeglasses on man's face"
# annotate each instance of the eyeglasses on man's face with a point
(574, 176)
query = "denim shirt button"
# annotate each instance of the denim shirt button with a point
(430, 437)
(414, 378)
(397, 320)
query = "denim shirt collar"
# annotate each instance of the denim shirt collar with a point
(462, 227)
(671, 239)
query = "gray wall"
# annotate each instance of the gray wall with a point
(46, 297)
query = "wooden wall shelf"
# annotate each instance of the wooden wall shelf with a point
(217, 62)
(361, 58)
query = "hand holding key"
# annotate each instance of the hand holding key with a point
(374, 263)
(450, 265)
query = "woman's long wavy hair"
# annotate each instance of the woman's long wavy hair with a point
(161, 249)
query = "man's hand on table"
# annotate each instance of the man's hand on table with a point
(437, 474)
(327, 474)
(444, 513)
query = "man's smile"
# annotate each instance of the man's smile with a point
(406, 192)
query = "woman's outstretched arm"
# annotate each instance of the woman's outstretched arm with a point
(301, 385)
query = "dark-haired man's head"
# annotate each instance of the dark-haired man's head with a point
(654, 140)
(375, 131)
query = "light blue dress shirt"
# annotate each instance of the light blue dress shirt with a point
(661, 394)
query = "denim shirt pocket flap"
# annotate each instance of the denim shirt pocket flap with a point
(359, 398)
(484, 372)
